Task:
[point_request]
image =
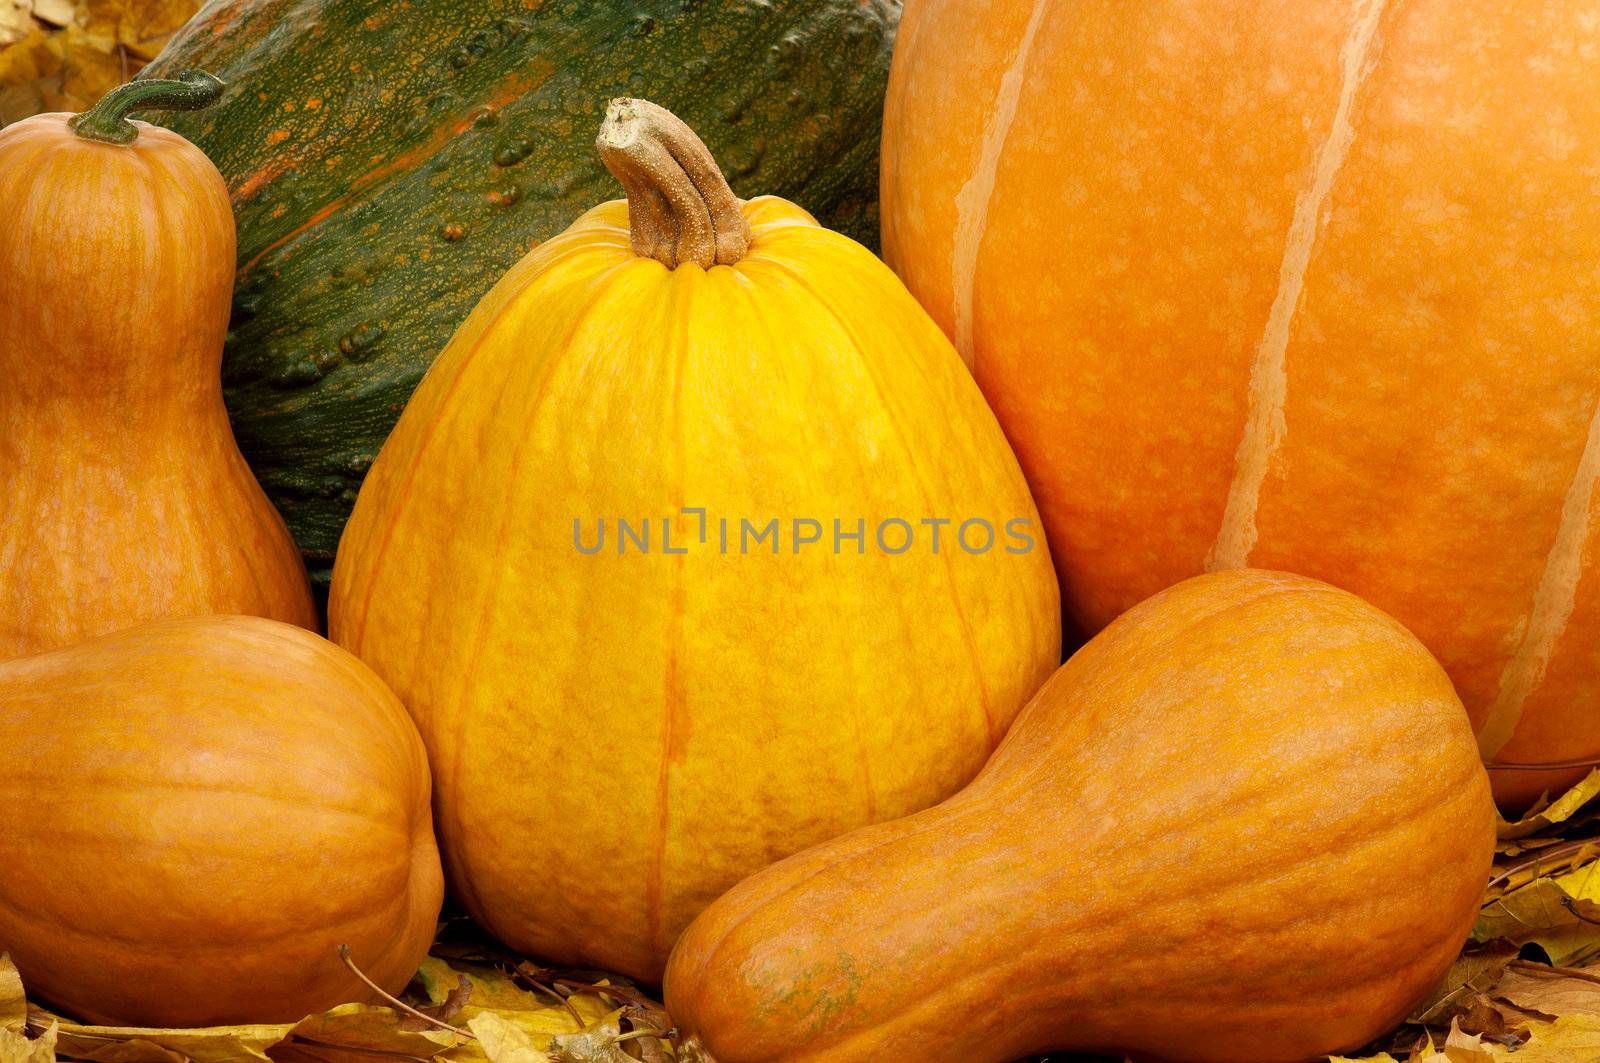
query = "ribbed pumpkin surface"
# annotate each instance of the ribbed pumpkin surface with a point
(1308, 286)
(388, 162)
(617, 737)
(206, 809)
(1245, 823)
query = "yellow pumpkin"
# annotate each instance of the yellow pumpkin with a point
(618, 736)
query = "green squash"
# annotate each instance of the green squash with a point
(389, 160)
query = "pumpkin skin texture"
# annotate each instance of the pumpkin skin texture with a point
(618, 738)
(1316, 293)
(389, 162)
(1246, 823)
(125, 497)
(236, 798)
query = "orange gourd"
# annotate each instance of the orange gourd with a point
(124, 496)
(203, 811)
(1302, 286)
(620, 733)
(1245, 824)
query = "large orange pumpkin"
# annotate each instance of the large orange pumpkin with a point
(202, 811)
(1245, 824)
(1308, 285)
(123, 495)
(618, 733)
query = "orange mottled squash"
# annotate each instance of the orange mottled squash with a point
(649, 558)
(123, 495)
(204, 810)
(1306, 286)
(1246, 823)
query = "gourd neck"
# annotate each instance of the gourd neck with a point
(107, 121)
(680, 208)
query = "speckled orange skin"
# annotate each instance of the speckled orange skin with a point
(1245, 824)
(203, 810)
(618, 739)
(1437, 320)
(124, 497)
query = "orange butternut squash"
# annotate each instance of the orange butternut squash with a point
(1246, 823)
(621, 731)
(1304, 286)
(204, 809)
(124, 496)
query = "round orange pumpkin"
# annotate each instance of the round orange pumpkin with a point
(621, 731)
(1245, 824)
(123, 494)
(203, 811)
(1307, 286)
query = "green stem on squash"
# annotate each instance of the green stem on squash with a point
(107, 121)
(680, 208)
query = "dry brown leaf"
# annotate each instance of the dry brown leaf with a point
(1550, 991)
(372, 1029)
(13, 1004)
(141, 26)
(1474, 972)
(57, 13)
(63, 55)
(443, 1010)
(91, 66)
(17, 1048)
(126, 1044)
(16, 21)
(600, 1044)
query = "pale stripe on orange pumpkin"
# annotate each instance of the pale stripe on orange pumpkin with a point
(1269, 379)
(972, 202)
(1552, 602)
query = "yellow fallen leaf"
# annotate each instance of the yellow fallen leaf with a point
(365, 1028)
(1560, 913)
(56, 13)
(503, 1042)
(16, 21)
(537, 1015)
(1462, 1047)
(1560, 810)
(91, 66)
(141, 26)
(29, 60)
(17, 1048)
(130, 1044)
(13, 1004)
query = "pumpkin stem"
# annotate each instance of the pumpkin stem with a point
(107, 121)
(680, 208)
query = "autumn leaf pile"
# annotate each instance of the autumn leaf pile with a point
(468, 1003)
(63, 55)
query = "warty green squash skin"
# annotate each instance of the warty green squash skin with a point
(388, 162)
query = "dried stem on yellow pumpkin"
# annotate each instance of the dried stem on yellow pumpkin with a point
(680, 208)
